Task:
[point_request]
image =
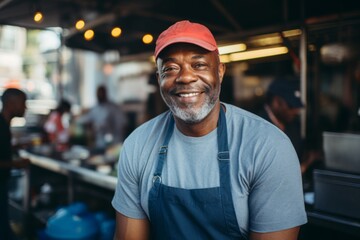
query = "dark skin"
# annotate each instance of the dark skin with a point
(188, 69)
(189, 76)
(283, 111)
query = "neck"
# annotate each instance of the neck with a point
(6, 116)
(274, 119)
(208, 124)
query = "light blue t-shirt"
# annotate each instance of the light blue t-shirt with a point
(266, 181)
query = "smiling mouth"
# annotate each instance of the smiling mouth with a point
(186, 95)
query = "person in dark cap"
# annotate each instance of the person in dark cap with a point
(13, 105)
(282, 108)
(205, 169)
(283, 101)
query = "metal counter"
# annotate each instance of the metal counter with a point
(70, 170)
(334, 222)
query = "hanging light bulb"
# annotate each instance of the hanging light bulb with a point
(89, 34)
(38, 16)
(80, 24)
(116, 32)
(147, 38)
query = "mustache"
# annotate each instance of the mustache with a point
(180, 88)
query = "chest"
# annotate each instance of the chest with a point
(191, 164)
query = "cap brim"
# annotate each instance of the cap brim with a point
(296, 103)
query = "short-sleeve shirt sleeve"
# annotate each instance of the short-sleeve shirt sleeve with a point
(126, 199)
(276, 198)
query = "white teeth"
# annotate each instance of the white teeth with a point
(188, 94)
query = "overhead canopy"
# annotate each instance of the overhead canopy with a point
(227, 19)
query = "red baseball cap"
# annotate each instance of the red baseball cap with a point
(186, 32)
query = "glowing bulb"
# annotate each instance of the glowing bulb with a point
(89, 34)
(116, 32)
(147, 38)
(80, 24)
(38, 17)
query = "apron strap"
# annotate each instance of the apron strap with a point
(223, 147)
(163, 150)
(225, 181)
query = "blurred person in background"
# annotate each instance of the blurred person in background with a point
(13, 105)
(57, 125)
(282, 108)
(107, 121)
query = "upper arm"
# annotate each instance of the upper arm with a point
(276, 199)
(130, 228)
(129, 191)
(287, 234)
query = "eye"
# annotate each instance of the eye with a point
(169, 70)
(200, 65)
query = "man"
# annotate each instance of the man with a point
(204, 169)
(107, 120)
(13, 105)
(282, 108)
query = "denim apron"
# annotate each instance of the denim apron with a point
(206, 213)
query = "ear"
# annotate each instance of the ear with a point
(279, 102)
(158, 76)
(157, 70)
(221, 71)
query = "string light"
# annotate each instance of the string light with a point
(38, 17)
(89, 34)
(116, 32)
(147, 38)
(80, 24)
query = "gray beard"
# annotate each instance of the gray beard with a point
(190, 115)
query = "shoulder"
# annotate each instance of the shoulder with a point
(3, 123)
(54, 115)
(149, 132)
(245, 122)
(255, 141)
(109, 105)
(140, 147)
(4, 128)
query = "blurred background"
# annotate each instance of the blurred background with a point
(65, 49)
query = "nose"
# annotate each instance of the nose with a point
(186, 75)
